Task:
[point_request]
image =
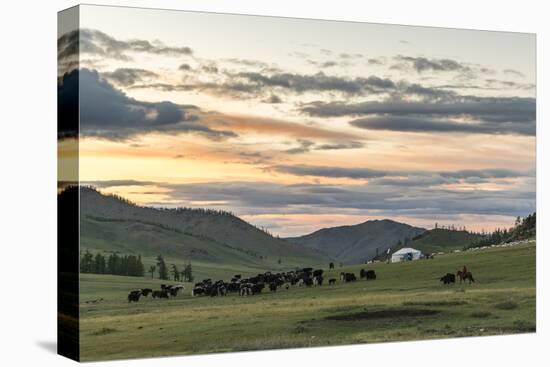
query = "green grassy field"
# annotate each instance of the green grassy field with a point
(406, 302)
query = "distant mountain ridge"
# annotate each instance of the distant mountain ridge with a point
(111, 223)
(358, 243)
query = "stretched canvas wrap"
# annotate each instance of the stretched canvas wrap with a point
(232, 183)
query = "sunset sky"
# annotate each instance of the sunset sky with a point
(295, 124)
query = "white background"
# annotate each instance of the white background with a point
(28, 182)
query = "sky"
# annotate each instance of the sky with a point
(295, 125)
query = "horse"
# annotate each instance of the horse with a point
(463, 276)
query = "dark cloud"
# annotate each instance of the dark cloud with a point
(339, 146)
(425, 93)
(487, 173)
(432, 125)
(260, 197)
(247, 62)
(259, 85)
(273, 99)
(488, 115)
(491, 108)
(488, 71)
(373, 61)
(211, 69)
(514, 72)
(333, 172)
(328, 64)
(128, 76)
(345, 56)
(422, 64)
(323, 64)
(507, 84)
(402, 176)
(185, 67)
(255, 157)
(319, 82)
(95, 42)
(108, 113)
(305, 146)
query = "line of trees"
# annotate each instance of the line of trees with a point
(450, 227)
(132, 265)
(524, 228)
(185, 275)
(128, 265)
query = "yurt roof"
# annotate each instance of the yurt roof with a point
(406, 250)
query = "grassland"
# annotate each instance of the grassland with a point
(406, 302)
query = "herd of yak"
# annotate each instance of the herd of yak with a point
(253, 285)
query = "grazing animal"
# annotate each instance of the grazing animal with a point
(160, 294)
(463, 276)
(244, 291)
(318, 272)
(133, 296)
(197, 291)
(273, 287)
(370, 275)
(318, 280)
(332, 281)
(448, 278)
(146, 291)
(348, 277)
(175, 289)
(257, 288)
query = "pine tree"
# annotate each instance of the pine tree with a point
(99, 264)
(140, 267)
(87, 262)
(188, 273)
(175, 273)
(163, 271)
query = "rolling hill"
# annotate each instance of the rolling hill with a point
(443, 240)
(110, 223)
(357, 243)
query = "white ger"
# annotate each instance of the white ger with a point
(406, 254)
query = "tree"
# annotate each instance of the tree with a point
(152, 269)
(87, 262)
(175, 273)
(114, 264)
(99, 266)
(188, 273)
(331, 265)
(163, 271)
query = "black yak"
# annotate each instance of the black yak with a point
(133, 296)
(448, 278)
